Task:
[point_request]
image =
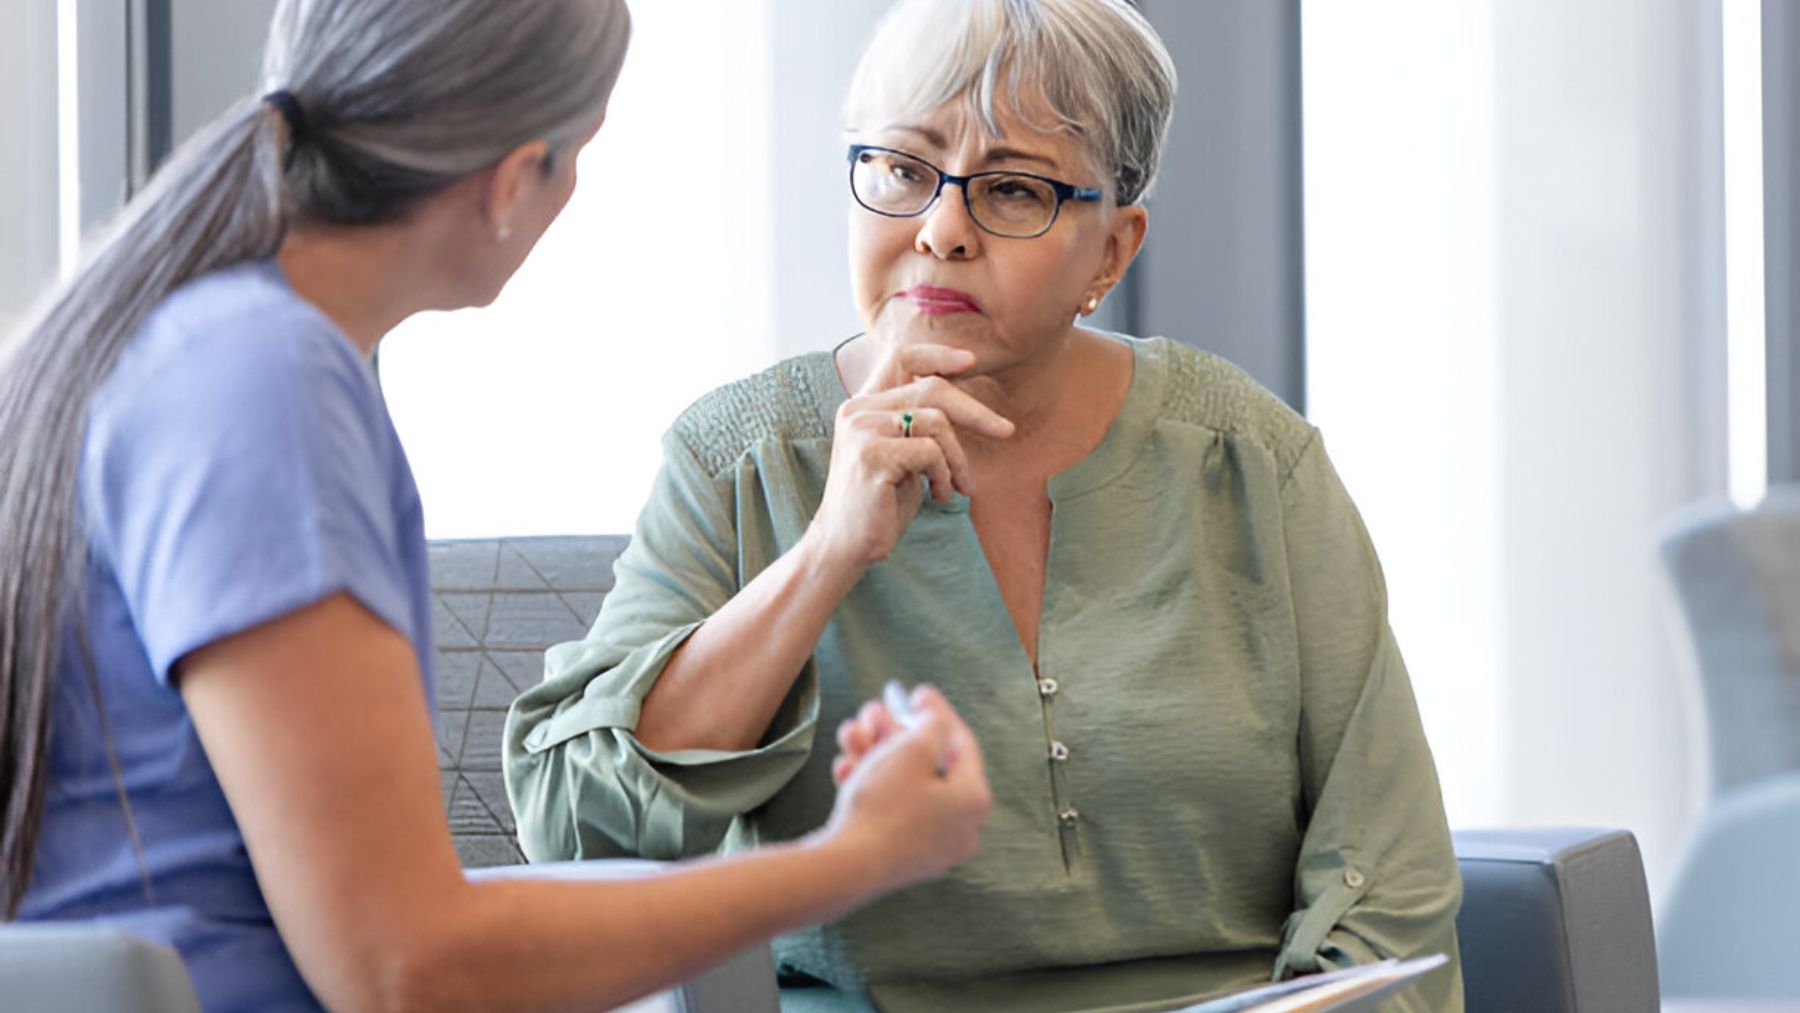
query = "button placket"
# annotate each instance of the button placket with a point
(1056, 752)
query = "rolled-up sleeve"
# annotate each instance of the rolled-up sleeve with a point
(1376, 876)
(580, 782)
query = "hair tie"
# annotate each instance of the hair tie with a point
(289, 107)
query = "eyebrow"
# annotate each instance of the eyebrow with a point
(992, 155)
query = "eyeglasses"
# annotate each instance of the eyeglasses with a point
(1016, 205)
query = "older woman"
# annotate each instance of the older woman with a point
(1131, 568)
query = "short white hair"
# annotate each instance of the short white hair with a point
(1101, 71)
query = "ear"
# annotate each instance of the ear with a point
(511, 179)
(1124, 238)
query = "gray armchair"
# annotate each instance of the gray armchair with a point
(1552, 921)
(1555, 921)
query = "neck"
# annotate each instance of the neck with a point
(366, 279)
(1036, 393)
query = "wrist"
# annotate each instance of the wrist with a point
(822, 557)
(855, 859)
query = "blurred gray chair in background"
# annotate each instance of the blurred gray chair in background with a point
(1725, 929)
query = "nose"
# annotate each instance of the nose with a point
(945, 230)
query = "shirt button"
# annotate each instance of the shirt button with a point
(1068, 816)
(1047, 687)
(1353, 878)
(1059, 752)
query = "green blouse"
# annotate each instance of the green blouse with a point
(1215, 775)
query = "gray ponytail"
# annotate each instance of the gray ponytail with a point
(399, 99)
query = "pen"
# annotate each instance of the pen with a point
(894, 696)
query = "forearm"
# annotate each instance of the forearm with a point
(723, 686)
(584, 945)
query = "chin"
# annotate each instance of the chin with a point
(961, 330)
(483, 296)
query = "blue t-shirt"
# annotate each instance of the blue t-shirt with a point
(239, 465)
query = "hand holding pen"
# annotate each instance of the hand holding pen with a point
(911, 778)
(895, 712)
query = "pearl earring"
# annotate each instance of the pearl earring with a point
(503, 233)
(1092, 304)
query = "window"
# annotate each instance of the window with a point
(541, 414)
(1745, 321)
(1400, 304)
(28, 167)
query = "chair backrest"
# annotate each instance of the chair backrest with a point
(497, 604)
(61, 967)
(1736, 574)
(1726, 927)
(1555, 921)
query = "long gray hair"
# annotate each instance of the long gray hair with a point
(396, 100)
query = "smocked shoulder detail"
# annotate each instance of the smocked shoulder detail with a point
(779, 403)
(1205, 390)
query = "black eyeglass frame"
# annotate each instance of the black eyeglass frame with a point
(1065, 192)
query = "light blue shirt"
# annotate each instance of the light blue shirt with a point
(239, 465)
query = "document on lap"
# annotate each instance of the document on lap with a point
(1353, 990)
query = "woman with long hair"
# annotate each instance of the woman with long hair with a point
(215, 623)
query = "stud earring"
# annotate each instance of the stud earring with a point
(503, 233)
(1092, 304)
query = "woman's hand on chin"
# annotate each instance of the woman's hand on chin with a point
(900, 428)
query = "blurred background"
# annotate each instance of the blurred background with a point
(1528, 263)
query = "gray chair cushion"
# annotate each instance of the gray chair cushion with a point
(50, 967)
(1555, 921)
(497, 604)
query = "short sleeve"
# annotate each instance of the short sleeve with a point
(240, 478)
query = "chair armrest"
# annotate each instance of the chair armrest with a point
(1555, 920)
(744, 983)
(72, 967)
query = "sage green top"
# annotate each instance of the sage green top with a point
(1216, 775)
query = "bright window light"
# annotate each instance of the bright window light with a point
(1400, 309)
(1745, 318)
(68, 136)
(542, 414)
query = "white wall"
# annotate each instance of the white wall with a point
(1611, 387)
(28, 162)
(1516, 353)
(217, 48)
(817, 43)
(542, 413)
(1402, 344)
